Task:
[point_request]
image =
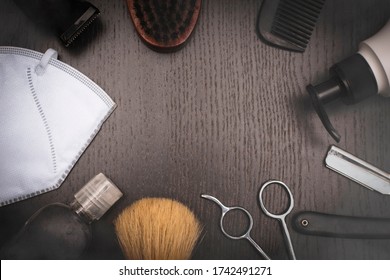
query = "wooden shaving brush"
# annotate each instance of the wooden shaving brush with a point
(157, 229)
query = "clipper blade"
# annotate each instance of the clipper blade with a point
(79, 25)
(67, 18)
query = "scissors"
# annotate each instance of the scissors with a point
(281, 217)
(246, 235)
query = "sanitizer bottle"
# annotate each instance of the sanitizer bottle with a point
(361, 75)
(60, 231)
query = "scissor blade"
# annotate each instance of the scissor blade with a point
(358, 170)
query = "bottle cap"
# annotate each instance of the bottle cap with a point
(352, 80)
(97, 196)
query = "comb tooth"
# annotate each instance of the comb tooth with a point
(313, 6)
(303, 32)
(283, 34)
(295, 20)
(298, 21)
(292, 32)
(309, 19)
(301, 13)
(303, 6)
(292, 26)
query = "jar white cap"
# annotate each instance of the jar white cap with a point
(97, 196)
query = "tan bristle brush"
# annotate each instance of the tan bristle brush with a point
(157, 229)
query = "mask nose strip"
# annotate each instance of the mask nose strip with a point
(40, 69)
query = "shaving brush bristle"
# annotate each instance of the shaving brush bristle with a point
(157, 229)
(164, 25)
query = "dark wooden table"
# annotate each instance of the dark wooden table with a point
(222, 116)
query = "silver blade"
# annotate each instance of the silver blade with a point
(358, 170)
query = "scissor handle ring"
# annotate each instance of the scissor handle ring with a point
(247, 233)
(276, 216)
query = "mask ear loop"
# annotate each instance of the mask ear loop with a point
(40, 69)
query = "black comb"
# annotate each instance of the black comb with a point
(288, 24)
(164, 25)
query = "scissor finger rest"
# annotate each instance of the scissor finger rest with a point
(261, 200)
(280, 217)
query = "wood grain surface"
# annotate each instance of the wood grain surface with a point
(221, 117)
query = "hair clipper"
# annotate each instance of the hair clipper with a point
(68, 17)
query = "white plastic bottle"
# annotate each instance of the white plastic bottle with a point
(376, 51)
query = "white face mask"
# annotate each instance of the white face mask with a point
(49, 113)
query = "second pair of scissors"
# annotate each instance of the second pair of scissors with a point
(280, 217)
